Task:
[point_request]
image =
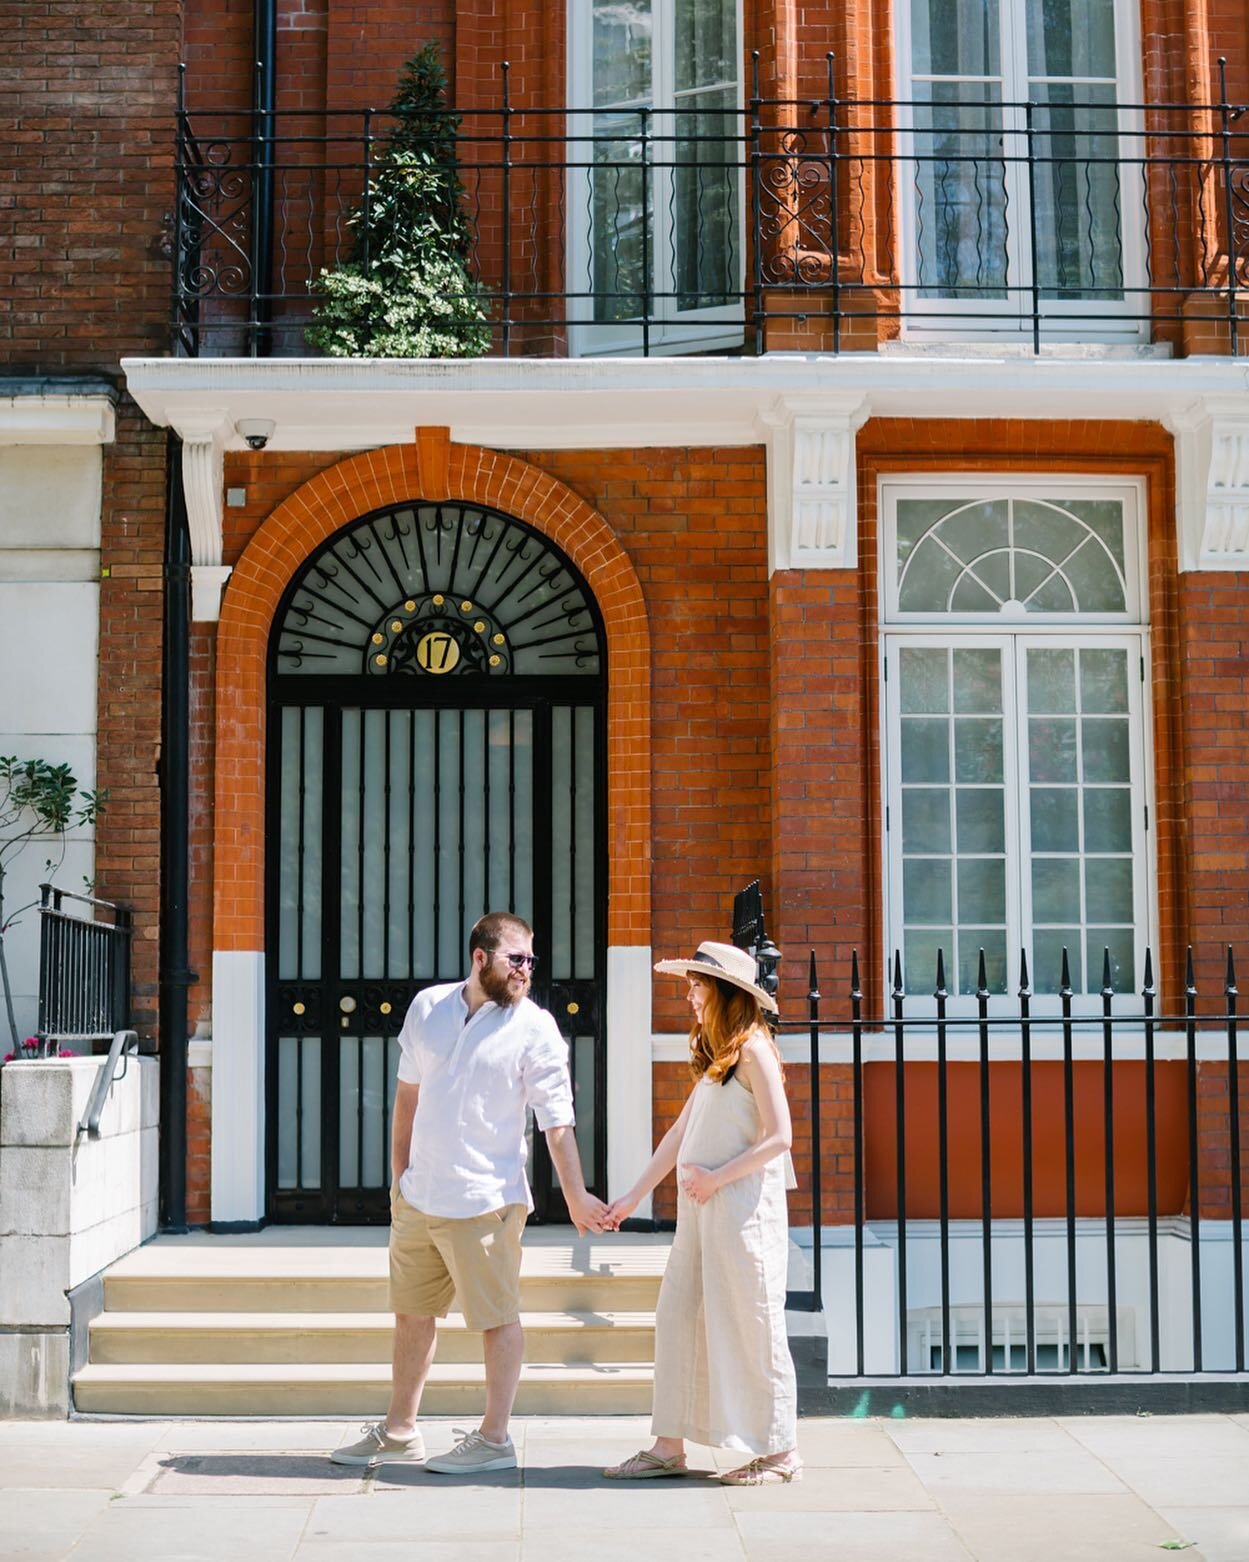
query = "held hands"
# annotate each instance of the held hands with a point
(588, 1213)
(619, 1211)
(698, 1183)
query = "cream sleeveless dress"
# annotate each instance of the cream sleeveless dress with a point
(723, 1373)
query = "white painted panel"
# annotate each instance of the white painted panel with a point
(50, 631)
(629, 1135)
(49, 563)
(21, 942)
(238, 1099)
(49, 496)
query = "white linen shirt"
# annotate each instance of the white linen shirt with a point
(477, 1077)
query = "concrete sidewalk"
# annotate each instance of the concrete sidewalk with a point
(1046, 1490)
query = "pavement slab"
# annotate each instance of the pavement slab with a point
(1073, 1489)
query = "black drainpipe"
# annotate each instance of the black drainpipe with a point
(175, 975)
(264, 101)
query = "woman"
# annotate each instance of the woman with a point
(723, 1373)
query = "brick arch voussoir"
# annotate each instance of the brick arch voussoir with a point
(308, 517)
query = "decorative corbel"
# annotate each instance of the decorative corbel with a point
(1212, 483)
(812, 512)
(203, 436)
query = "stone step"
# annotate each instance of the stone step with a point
(350, 1388)
(217, 1337)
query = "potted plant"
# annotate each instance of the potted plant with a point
(406, 290)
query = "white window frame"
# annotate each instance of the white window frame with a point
(671, 331)
(1016, 635)
(970, 319)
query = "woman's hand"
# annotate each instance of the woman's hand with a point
(699, 1183)
(619, 1211)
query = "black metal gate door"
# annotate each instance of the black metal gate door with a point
(401, 807)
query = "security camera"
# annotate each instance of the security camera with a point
(256, 431)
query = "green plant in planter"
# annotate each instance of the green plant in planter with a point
(406, 291)
(39, 801)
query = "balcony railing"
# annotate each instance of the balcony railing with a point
(827, 224)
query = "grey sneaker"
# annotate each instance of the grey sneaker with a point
(377, 1446)
(473, 1455)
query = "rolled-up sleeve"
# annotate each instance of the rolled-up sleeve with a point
(548, 1088)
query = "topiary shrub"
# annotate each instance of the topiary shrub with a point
(406, 290)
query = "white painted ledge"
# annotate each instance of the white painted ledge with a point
(57, 419)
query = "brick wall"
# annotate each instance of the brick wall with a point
(131, 632)
(86, 181)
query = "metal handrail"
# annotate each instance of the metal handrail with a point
(125, 1045)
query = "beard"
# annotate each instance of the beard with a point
(498, 987)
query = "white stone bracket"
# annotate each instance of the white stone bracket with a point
(1212, 483)
(812, 510)
(204, 436)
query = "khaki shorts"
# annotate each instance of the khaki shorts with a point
(477, 1260)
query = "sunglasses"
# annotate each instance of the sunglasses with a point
(517, 962)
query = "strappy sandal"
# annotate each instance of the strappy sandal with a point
(766, 1470)
(646, 1466)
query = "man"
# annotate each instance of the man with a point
(473, 1056)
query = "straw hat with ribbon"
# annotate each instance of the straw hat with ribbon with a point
(726, 963)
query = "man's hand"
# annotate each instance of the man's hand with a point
(587, 1212)
(618, 1211)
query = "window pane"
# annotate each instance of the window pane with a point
(960, 190)
(1071, 37)
(705, 183)
(1056, 889)
(1047, 954)
(1103, 681)
(925, 679)
(1076, 183)
(925, 819)
(706, 42)
(977, 750)
(955, 38)
(1108, 889)
(1105, 745)
(619, 280)
(981, 820)
(1107, 819)
(1055, 819)
(981, 891)
(970, 942)
(919, 957)
(925, 749)
(978, 680)
(1122, 958)
(622, 52)
(1051, 682)
(1052, 750)
(926, 892)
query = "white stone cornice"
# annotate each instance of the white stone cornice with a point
(204, 432)
(811, 481)
(1212, 482)
(57, 419)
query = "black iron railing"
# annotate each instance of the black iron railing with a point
(1060, 1192)
(84, 967)
(827, 223)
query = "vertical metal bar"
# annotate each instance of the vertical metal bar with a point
(986, 1169)
(817, 1180)
(1229, 213)
(461, 804)
(856, 1012)
(507, 211)
(1108, 1104)
(756, 209)
(1032, 230)
(572, 841)
(438, 973)
(1233, 1110)
(511, 808)
(387, 759)
(899, 1086)
(181, 176)
(833, 235)
(410, 962)
(1151, 1162)
(1029, 1255)
(644, 116)
(1069, 1156)
(943, 1160)
(1194, 1175)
